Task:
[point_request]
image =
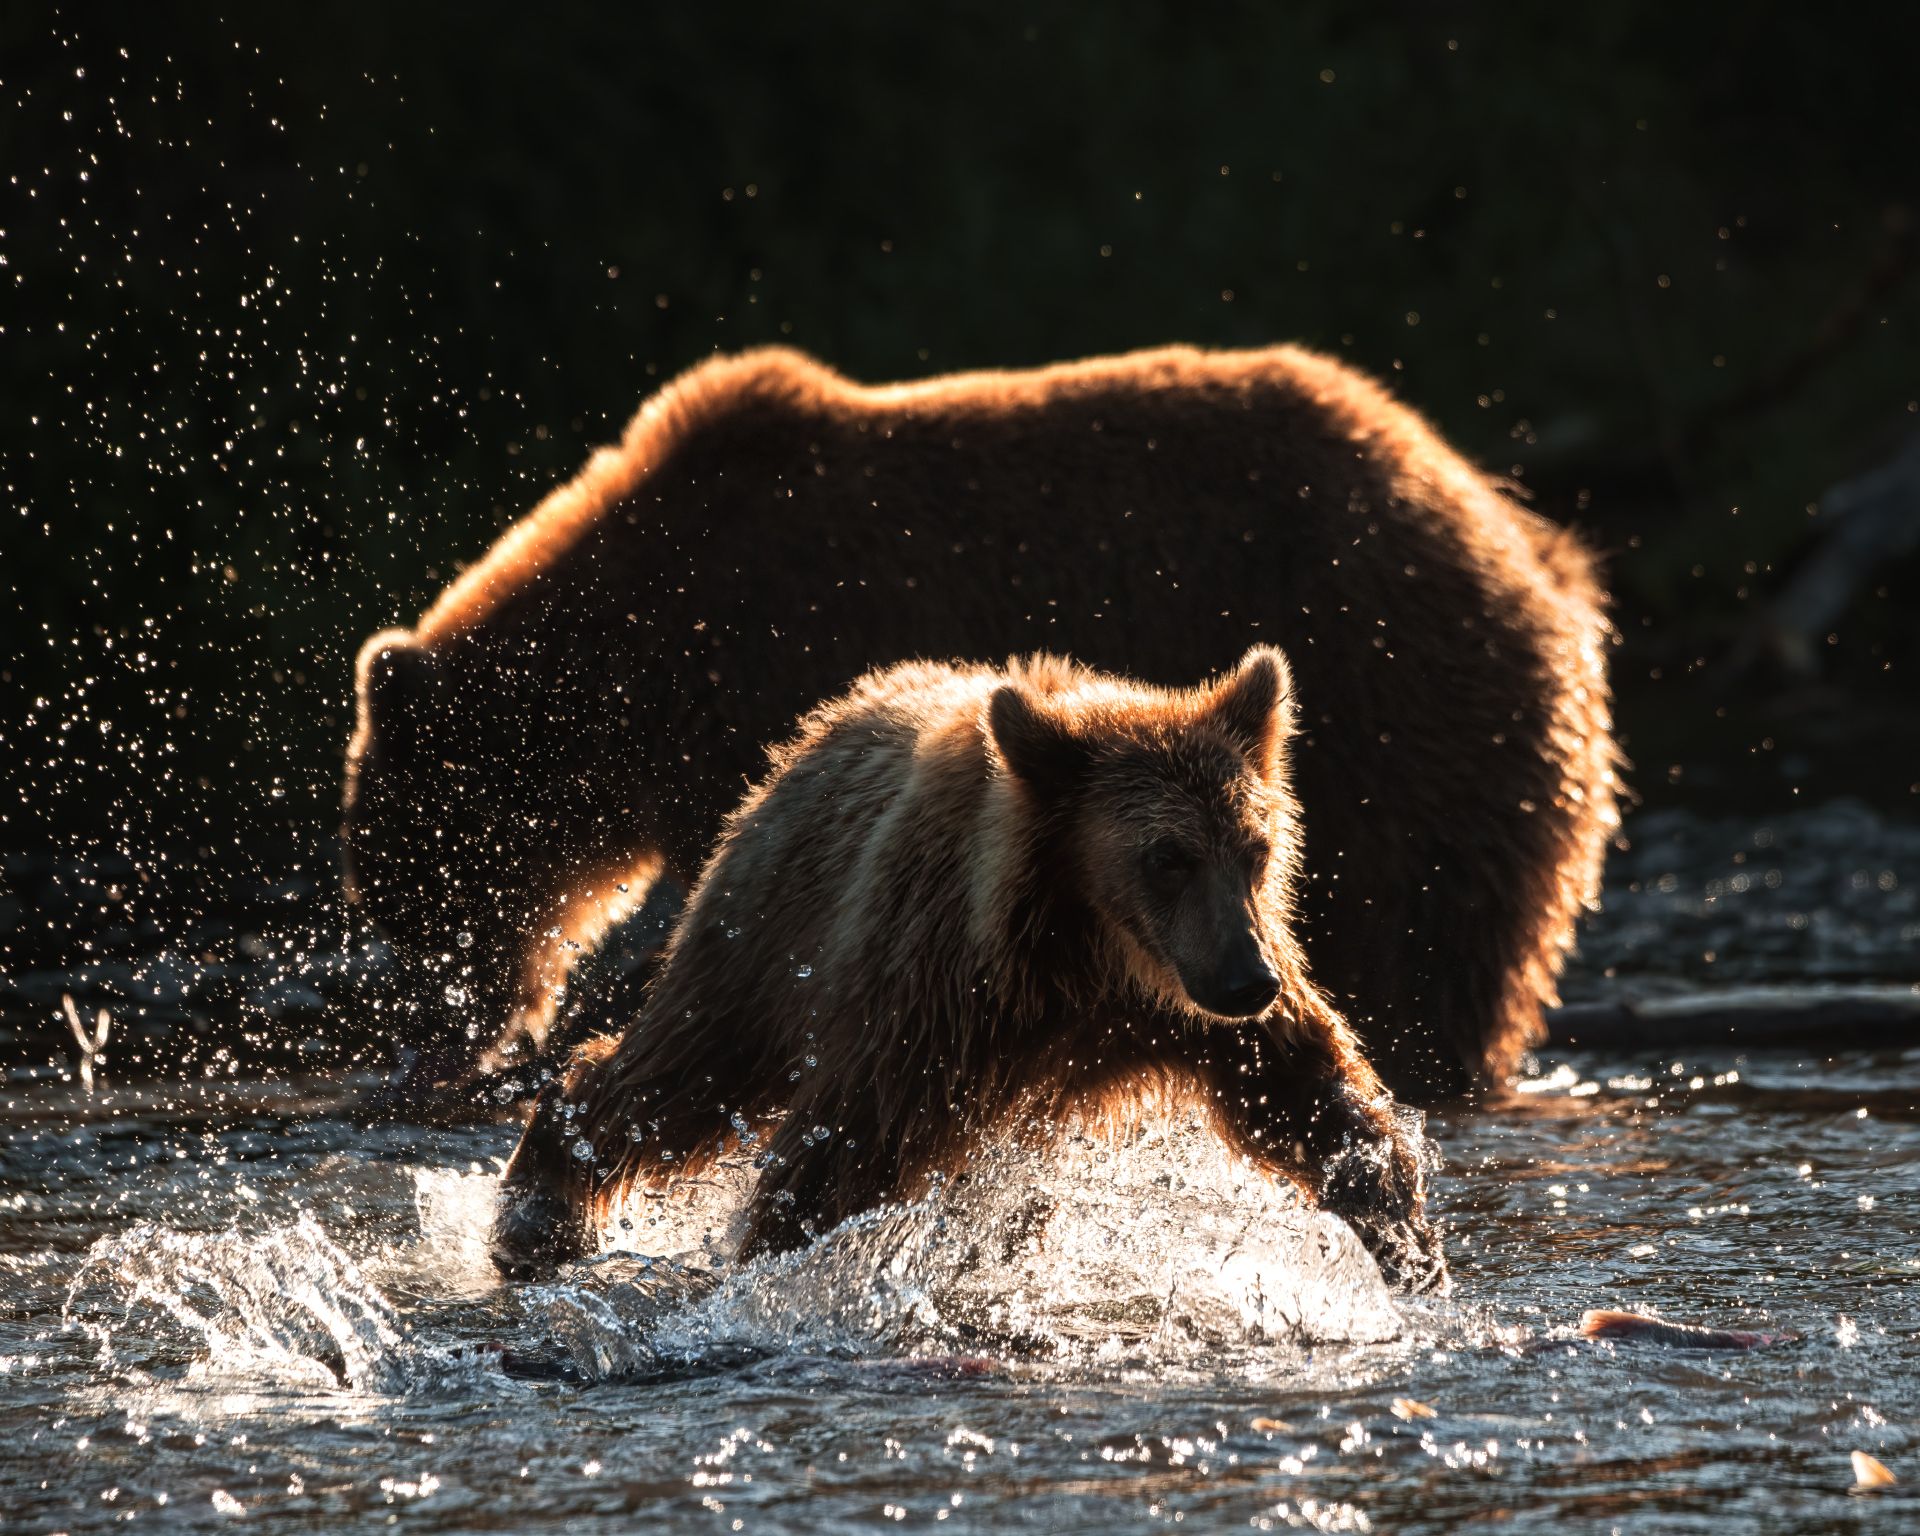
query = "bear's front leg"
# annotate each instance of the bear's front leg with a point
(1371, 1172)
(1312, 1108)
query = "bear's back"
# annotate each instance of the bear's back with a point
(768, 468)
(855, 864)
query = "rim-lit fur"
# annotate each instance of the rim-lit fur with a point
(584, 704)
(933, 917)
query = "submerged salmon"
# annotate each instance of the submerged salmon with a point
(1633, 1327)
(1871, 1472)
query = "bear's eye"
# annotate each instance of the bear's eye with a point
(1167, 860)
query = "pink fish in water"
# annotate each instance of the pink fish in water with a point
(1633, 1328)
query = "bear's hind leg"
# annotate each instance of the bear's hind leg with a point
(655, 1104)
(830, 1159)
(571, 924)
(486, 995)
(546, 1213)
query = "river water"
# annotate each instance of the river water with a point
(228, 1303)
(233, 1306)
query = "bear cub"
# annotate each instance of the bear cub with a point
(967, 898)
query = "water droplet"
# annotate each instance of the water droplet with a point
(804, 972)
(465, 939)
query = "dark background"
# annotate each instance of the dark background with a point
(299, 306)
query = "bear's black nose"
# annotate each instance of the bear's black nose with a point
(1249, 993)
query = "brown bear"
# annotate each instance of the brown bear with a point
(966, 897)
(577, 713)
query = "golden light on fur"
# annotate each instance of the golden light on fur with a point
(925, 925)
(596, 690)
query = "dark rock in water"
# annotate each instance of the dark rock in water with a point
(1839, 1018)
(521, 1366)
(1826, 894)
(1801, 928)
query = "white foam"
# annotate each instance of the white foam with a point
(1158, 1247)
(286, 1304)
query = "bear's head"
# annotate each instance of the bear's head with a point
(1176, 820)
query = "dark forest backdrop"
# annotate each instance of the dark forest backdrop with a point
(298, 306)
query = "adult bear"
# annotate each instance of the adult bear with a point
(575, 715)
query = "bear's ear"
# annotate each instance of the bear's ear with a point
(1038, 746)
(398, 683)
(1254, 707)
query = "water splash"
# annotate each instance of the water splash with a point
(455, 1211)
(1160, 1249)
(287, 1304)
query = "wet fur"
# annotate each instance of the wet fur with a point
(579, 711)
(928, 924)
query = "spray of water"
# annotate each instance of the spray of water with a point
(287, 1303)
(1159, 1249)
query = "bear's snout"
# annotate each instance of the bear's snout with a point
(1243, 985)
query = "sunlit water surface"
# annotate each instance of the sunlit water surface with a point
(238, 1307)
